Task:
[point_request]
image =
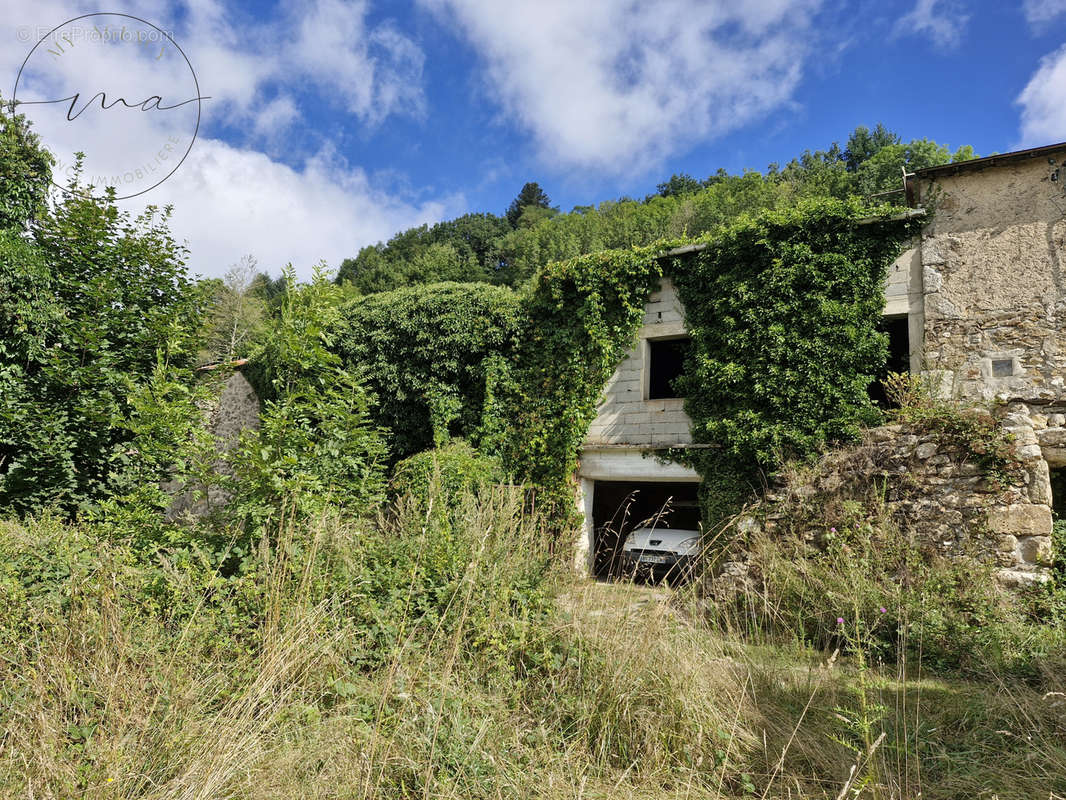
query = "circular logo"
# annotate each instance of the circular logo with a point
(115, 91)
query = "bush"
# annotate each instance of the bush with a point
(317, 446)
(447, 472)
(86, 308)
(918, 402)
(424, 353)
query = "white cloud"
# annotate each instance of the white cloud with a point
(1038, 12)
(231, 198)
(229, 201)
(1043, 110)
(378, 72)
(618, 85)
(276, 116)
(941, 20)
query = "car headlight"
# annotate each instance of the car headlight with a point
(689, 544)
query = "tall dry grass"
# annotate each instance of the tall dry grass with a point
(439, 653)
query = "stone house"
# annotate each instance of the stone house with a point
(977, 302)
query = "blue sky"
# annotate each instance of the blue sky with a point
(333, 124)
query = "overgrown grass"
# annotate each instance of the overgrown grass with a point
(440, 654)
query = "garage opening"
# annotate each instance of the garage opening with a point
(619, 507)
(899, 355)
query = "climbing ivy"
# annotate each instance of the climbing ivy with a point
(782, 308)
(423, 351)
(578, 319)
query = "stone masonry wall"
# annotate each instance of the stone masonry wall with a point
(625, 416)
(234, 410)
(932, 491)
(993, 282)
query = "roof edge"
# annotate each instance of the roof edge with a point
(697, 247)
(989, 161)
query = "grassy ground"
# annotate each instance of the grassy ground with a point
(460, 673)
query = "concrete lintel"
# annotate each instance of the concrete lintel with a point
(630, 464)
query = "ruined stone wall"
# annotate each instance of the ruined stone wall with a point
(934, 493)
(234, 409)
(994, 290)
(624, 415)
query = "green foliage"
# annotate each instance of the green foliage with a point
(447, 473)
(462, 249)
(236, 313)
(578, 319)
(424, 352)
(783, 310)
(873, 591)
(169, 447)
(25, 173)
(883, 170)
(87, 305)
(918, 401)
(511, 250)
(531, 197)
(864, 144)
(679, 186)
(317, 445)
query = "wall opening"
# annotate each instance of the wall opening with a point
(619, 507)
(897, 329)
(666, 363)
(1058, 492)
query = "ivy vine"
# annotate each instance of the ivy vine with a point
(782, 308)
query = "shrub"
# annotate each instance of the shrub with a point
(317, 445)
(918, 401)
(86, 307)
(424, 353)
(448, 472)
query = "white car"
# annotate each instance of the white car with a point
(662, 551)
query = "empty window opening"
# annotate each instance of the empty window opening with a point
(666, 363)
(1002, 367)
(899, 355)
(619, 507)
(1058, 492)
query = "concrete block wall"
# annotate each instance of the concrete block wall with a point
(625, 416)
(904, 297)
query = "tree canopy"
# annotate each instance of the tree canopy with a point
(531, 197)
(508, 250)
(92, 301)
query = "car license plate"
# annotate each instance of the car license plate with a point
(645, 559)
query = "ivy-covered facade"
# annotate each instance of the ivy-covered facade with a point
(756, 344)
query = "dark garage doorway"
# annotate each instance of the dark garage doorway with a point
(619, 507)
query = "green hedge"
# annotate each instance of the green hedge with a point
(424, 352)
